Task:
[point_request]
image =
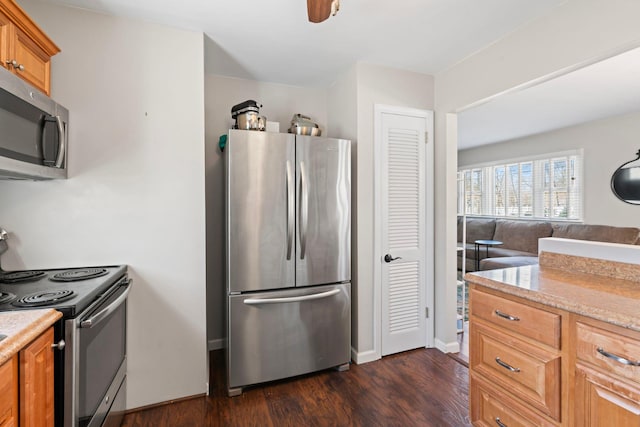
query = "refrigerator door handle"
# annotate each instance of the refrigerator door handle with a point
(258, 301)
(304, 209)
(291, 210)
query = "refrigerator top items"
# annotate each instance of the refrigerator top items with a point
(302, 125)
(247, 116)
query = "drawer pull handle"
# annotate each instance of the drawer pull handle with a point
(507, 316)
(506, 365)
(500, 423)
(617, 358)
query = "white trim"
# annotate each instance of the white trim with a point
(364, 357)
(451, 347)
(428, 116)
(217, 344)
(617, 252)
(544, 156)
(558, 73)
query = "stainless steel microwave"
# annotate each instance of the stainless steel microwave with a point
(33, 132)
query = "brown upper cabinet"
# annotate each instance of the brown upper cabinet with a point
(25, 49)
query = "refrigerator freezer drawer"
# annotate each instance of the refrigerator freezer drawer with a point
(280, 334)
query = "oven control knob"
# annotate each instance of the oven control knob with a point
(106, 399)
(60, 345)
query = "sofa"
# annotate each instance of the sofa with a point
(520, 239)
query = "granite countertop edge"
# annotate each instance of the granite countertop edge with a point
(21, 327)
(556, 300)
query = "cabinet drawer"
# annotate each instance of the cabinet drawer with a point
(530, 322)
(527, 371)
(492, 408)
(608, 350)
(9, 392)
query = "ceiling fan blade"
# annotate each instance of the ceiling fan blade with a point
(318, 10)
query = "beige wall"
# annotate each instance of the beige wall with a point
(376, 85)
(575, 32)
(135, 193)
(606, 144)
(342, 113)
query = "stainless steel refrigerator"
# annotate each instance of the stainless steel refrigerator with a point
(288, 255)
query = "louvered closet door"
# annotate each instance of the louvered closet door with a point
(403, 233)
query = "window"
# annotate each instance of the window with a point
(547, 187)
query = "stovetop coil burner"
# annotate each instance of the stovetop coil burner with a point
(6, 297)
(78, 274)
(20, 276)
(44, 298)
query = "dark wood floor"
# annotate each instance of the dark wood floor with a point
(415, 388)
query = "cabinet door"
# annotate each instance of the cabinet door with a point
(36, 382)
(602, 400)
(35, 63)
(5, 42)
(9, 393)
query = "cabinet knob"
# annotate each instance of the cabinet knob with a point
(14, 64)
(59, 345)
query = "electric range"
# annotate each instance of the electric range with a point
(90, 356)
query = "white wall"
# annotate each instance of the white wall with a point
(279, 102)
(135, 193)
(607, 144)
(575, 32)
(342, 114)
(376, 85)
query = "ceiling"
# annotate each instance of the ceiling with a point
(272, 41)
(605, 89)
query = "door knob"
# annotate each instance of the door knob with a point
(389, 258)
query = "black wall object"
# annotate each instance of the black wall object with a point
(625, 182)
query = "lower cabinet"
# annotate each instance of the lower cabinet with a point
(26, 385)
(605, 401)
(589, 377)
(607, 376)
(496, 407)
(9, 393)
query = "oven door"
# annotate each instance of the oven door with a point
(98, 351)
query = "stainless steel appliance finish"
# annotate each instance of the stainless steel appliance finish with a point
(260, 210)
(323, 183)
(280, 334)
(90, 361)
(288, 255)
(34, 132)
(96, 360)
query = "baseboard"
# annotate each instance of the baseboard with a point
(363, 357)
(217, 344)
(451, 347)
(168, 402)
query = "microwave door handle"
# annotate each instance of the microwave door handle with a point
(105, 312)
(62, 137)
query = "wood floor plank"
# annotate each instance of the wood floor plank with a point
(415, 388)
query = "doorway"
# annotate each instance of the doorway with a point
(404, 275)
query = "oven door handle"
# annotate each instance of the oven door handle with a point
(105, 312)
